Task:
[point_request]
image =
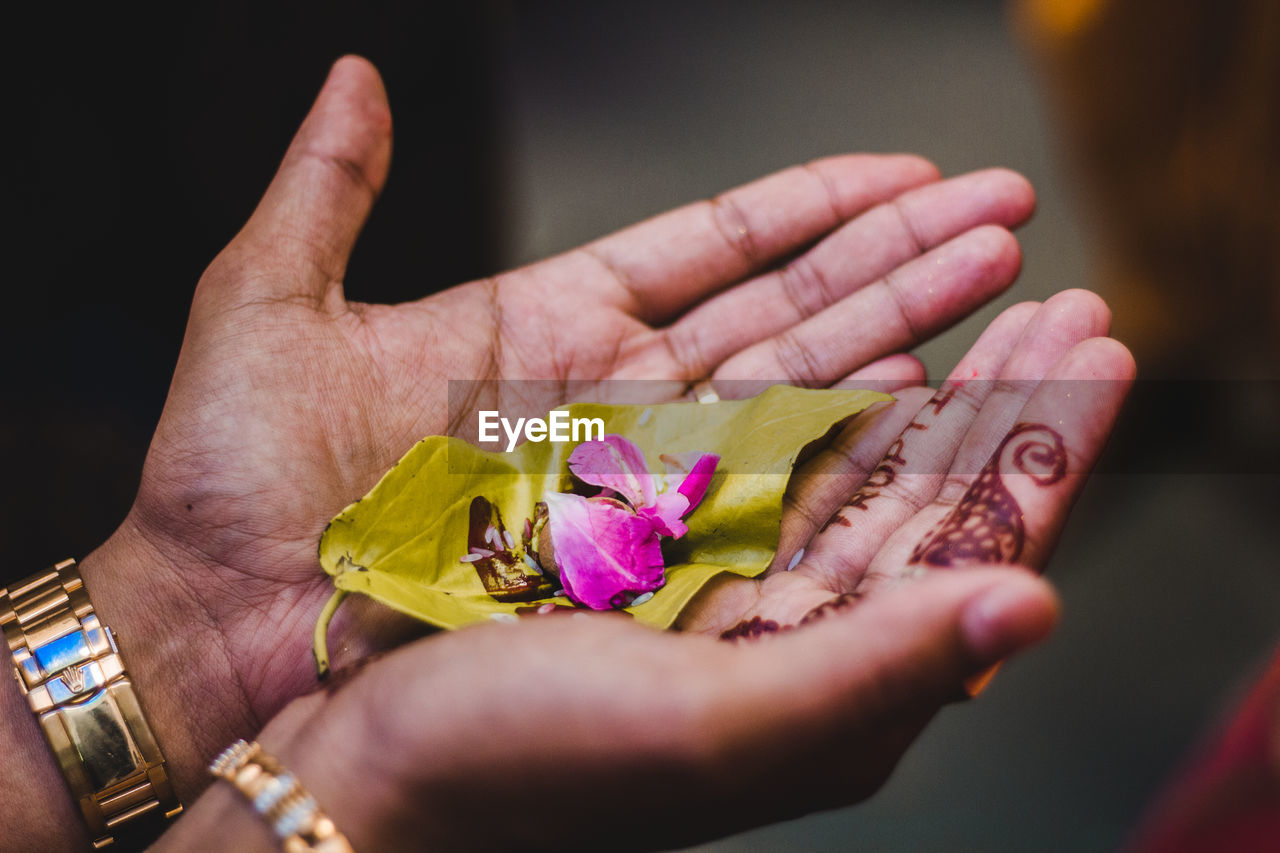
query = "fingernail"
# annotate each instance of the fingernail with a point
(1003, 619)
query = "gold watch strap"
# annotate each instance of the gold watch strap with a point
(67, 664)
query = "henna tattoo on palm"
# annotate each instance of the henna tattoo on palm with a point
(939, 400)
(884, 474)
(826, 608)
(757, 626)
(753, 627)
(987, 525)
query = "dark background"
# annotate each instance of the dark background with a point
(136, 142)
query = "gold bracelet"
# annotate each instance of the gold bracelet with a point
(67, 665)
(278, 796)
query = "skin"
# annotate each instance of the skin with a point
(585, 733)
(288, 401)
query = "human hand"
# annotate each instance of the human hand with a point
(982, 471)
(587, 731)
(289, 401)
(569, 731)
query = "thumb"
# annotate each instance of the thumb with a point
(302, 232)
(902, 652)
(843, 696)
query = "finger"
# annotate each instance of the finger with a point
(861, 252)
(915, 647)
(887, 374)
(820, 486)
(1014, 509)
(663, 265)
(814, 491)
(951, 458)
(888, 492)
(908, 306)
(304, 228)
(1066, 319)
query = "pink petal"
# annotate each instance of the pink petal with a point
(615, 463)
(666, 514)
(692, 472)
(605, 552)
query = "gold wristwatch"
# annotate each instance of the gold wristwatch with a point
(67, 664)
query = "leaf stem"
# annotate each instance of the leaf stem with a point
(320, 643)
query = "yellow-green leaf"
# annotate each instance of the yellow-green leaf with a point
(402, 543)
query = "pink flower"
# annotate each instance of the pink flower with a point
(607, 549)
(603, 550)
